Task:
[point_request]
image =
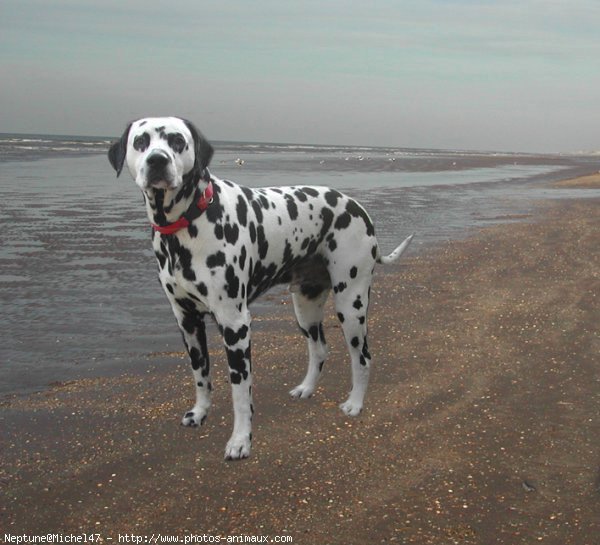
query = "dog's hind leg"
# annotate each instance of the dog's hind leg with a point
(309, 313)
(352, 304)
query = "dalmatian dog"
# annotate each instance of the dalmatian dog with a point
(220, 245)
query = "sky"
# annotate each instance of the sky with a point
(519, 75)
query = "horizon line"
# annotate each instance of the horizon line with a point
(330, 145)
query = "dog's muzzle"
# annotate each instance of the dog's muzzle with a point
(158, 165)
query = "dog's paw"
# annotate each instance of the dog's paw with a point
(302, 392)
(193, 418)
(238, 449)
(350, 409)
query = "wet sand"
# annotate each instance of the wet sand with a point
(591, 181)
(481, 426)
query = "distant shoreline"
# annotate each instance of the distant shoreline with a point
(262, 145)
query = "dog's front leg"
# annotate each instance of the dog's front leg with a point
(236, 336)
(191, 324)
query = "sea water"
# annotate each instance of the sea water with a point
(78, 284)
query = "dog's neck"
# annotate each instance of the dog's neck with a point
(165, 206)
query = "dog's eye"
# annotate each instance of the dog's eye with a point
(141, 142)
(177, 142)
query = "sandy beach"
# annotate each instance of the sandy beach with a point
(481, 425)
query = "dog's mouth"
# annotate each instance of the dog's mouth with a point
(158, 179)
(158, 170)
(159, 183)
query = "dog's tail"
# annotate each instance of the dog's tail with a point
(386, 259)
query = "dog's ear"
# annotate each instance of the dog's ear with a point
(202, 148)
(118, 151)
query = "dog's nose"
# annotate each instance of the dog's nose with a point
(158, 159)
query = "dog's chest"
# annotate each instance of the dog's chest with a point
(175, 268)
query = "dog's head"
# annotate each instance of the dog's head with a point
(161, 152)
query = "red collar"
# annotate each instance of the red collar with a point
(203, 202)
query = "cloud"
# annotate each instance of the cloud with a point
(451, 73)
